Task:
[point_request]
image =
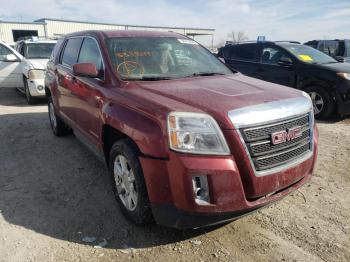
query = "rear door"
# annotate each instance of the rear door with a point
(10, 71)
(88, 92)
(271, 70)
(66, 81)
(243, 58)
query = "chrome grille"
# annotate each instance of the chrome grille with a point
(265, 155)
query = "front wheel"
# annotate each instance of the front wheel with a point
(322, 102)
(129, 184)
(30, 100)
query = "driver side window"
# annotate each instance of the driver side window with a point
(272, 55)
(4, 51)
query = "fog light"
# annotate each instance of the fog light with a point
(201, 190)
(40, 88)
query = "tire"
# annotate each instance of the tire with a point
(30, 100)
(128, 182)
(59, 128)
(323, 103)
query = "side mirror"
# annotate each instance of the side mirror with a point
(339, 59)
(285, 61)
(11, 58)
(222, 59)
(85, 70)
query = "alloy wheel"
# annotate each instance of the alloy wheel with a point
(125, 182)
(317, 101)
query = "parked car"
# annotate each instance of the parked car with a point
(338, 49)
(36, 53)
(298, 66)
(10, 69)
(187, 142)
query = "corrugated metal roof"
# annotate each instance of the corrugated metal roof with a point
(42, 20)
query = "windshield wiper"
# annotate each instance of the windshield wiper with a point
(206, 74)
(150, 78)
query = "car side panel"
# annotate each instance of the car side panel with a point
(144, 129)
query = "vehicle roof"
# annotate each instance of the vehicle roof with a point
(38, 41)
(318, 40)
(279, 43)
(127, 33)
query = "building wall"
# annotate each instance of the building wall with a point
(7, 27)
(56, 28)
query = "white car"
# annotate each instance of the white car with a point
(10, 67)
(36, 54)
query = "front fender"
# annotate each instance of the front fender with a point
(145, 130)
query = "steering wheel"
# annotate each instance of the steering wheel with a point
(128, 68)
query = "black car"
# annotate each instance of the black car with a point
(299, 66)
(338, 49)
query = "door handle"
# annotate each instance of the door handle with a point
(68, 77)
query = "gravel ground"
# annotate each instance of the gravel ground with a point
(56, 204)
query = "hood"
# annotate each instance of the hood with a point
(215, 95)
(337, 67)
(37, 63)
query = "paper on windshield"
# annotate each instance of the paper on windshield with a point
(187, 41)
(306, 58)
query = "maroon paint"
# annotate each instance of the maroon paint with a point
(139, 110)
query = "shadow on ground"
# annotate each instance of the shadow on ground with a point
(10, 96)
(56, 187)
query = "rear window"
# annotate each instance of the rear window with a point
(244, 52)
(38, 50)
(71, 51)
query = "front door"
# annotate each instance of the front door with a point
(66, 80)
(272, 70)
(10, 71)
(88, 92)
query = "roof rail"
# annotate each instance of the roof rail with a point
(254, 41)
(287, 41)
(36, 38)
(242, 42)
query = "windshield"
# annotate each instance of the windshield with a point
(39, 50)
(160, 58)
(309, 55)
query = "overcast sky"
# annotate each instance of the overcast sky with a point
(300, 20)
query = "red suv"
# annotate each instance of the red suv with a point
(188, 142)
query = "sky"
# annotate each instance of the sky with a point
(299, 20)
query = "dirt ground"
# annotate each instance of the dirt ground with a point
(54, 193)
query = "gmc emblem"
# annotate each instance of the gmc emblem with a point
(286, 135)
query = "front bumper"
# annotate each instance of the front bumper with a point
(170, 188)
(36, 87)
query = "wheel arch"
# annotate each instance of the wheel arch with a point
(144, 132)
(314, 82)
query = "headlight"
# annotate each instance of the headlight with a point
(196, 134)
(344, 75)
(36, 74)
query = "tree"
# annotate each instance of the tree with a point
(237, 37)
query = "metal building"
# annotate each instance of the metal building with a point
(46, 27)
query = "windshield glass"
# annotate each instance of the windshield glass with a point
(39, 50)
(158, 58)
(309, 55)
